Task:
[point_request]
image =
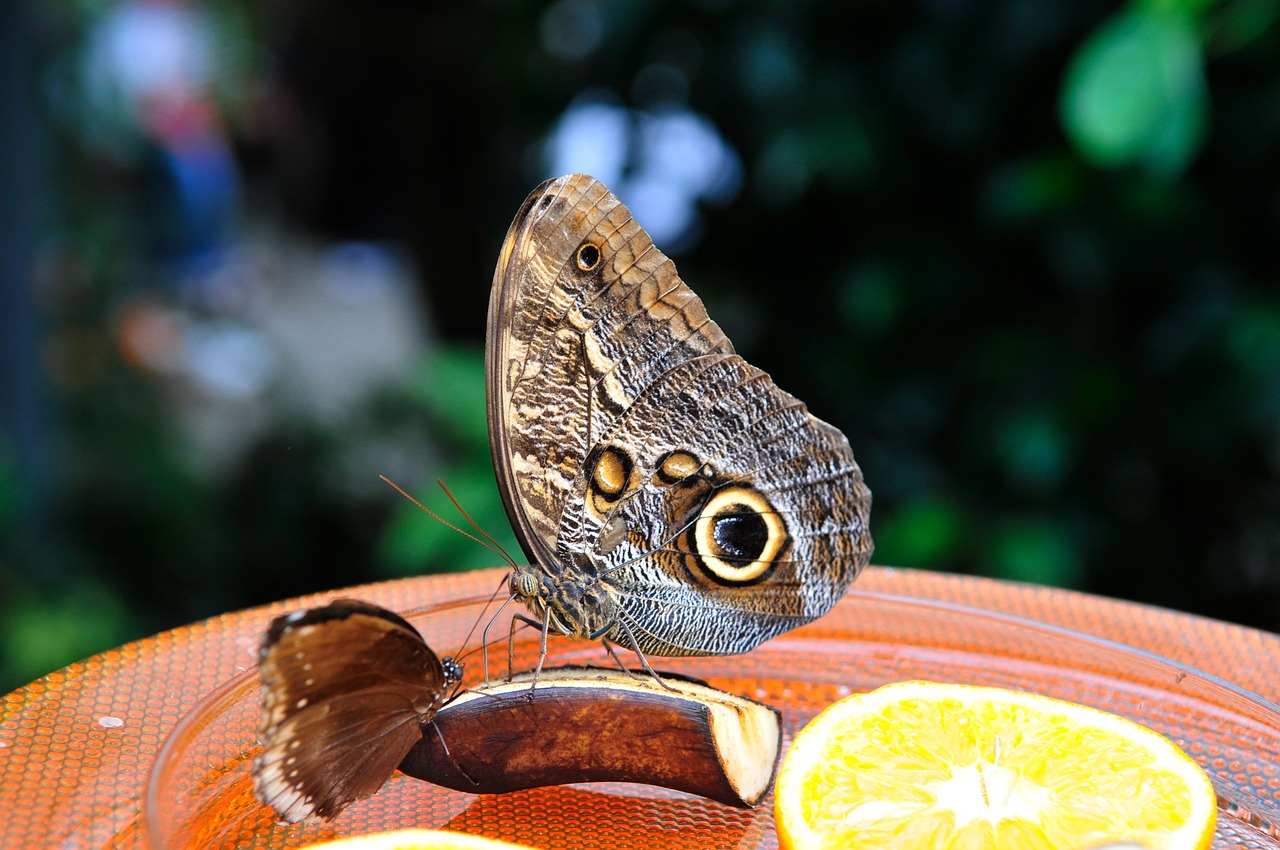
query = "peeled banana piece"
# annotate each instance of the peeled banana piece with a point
(600, 725)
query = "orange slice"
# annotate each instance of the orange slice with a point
(955, 767)
(416, 839)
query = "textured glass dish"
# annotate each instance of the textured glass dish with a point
(200, 792)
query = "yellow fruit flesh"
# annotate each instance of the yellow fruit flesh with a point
(416, 839)
(972, 770)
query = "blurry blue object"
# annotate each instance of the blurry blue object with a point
(151, 70)
(229, 358)
(201, 173)
(661, 162)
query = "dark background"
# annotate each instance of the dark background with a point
(1022, 253)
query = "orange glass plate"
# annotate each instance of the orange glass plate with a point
(200, 792)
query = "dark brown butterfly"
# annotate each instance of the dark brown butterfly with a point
(347, 689)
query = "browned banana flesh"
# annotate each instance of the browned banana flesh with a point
(597, 725)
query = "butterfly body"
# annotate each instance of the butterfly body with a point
(671, 498)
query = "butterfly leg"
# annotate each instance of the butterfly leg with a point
(614, 655)
(542, 654)
(449, 755)
(635, 647)
(543, 627)
(511, 644)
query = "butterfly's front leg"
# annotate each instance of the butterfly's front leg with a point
(543, 627)
(643, 659)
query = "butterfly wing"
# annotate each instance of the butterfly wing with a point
(551, 386)
(635, 450)
(758, 528)
(346, 688)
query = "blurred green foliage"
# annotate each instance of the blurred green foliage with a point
(1135, 91)
(1022, 253)
(450, 389)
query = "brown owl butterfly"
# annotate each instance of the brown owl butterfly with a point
(672, 499)
(346, 691)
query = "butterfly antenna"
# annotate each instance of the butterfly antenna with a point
(484, 635)
(486, 644)
(491, 546)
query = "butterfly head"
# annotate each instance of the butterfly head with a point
(452, 673)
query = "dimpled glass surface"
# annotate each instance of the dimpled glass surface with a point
(159, 734)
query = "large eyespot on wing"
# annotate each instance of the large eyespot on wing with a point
(728, 531)
(737, 537)
(764, 509)
(345, 690)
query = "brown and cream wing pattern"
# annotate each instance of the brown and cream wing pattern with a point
(621, 320)
(698, 507)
